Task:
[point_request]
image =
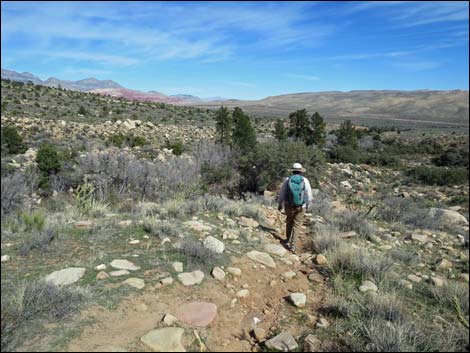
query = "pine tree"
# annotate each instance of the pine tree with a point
(280, 131)
(223, 126)
(318, 136)
(300, 125)
(244, 135)
(347, 134)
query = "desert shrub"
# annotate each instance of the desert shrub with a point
(326, 238)
(14, 188)
(213, 203)
(48, 159)
(345, 154)
(33, 220)
(220, 178)
(253, 211)
(407, 257)
(358, 263)
(439, 175)
(397, 209)
(451, 294)
(353, 221)
(177, 147)
(40, 240)
(11, 141)
(321, 205)
(161, 229)
(120, 140)
(233, 210)
(453, 157)
(199, 257)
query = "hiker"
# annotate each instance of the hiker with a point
(295, 195)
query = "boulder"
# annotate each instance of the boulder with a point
(248, 222)
(199, 314)
(214, 245)
(166, 339)
(124, 265)
(421, 238)
(368, 286)
(234, 271)
(102, 275)
(135, 282)
(284, 342)
(298, 299)
(444, 264)
(321, 260)
(218, 274)
(119, 273)
(244, 293)
(274, 249)
(5, 258)
(312, 344)
(191, 278)
(262, 258)
(448, 217)
(66, 276)
(178, 266)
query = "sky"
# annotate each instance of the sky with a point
(244, 50)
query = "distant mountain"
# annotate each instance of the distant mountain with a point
(370, 107)
(16, 76)
(152, 96)
(87, 84)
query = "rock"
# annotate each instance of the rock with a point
(464, 277)
(259, 334)
(323, 323)
(101, 267)
(191, 278)
(274, 249)
(437, 281)
(128, 124)
(167, 281)
(298, 299)
(66, 276)
(261, 257)
(348, 235)
(368, 286)
(166, 339)
(321, 260)
(315, 277)
(102, 275)
(243, 293)
(169, 320)
(218, 274)
(289, 275)
(199, 314)
(406, 284)
(135, 282)
(234, 271)
(178, 266)
(197, 226)
(414, 278)
(448, 217)
(248, 222)
(422, 238)
(84, 225)
(312, 344)
(134, 242)
(346, 184)
(284, 342)
(109, 348)
(214, 245)
(444, 264)
(124, 265)
(5, 258)
(119, 273)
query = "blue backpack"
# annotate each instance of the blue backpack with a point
(296, 190)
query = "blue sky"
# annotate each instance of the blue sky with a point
(246, 50)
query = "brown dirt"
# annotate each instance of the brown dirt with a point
(125, 326)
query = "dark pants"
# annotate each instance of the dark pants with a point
(294, 221)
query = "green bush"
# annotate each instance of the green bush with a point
(120, 140)
(439, 175)
(453, 157)
(48, 159)
(345, 154)
(177, 148)
(12, 143)
(268, 163)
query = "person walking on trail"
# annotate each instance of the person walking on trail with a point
(295, 195)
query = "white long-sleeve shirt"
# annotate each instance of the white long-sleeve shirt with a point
(281, 198)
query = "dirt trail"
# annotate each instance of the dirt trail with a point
(124, 326)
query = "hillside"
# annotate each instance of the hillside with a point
(126, 227)
(441, 109)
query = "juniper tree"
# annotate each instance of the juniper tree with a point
(318, 136)
(280, 132)
(223, 126)
(244, 135)
(299, 125)
(347, 134)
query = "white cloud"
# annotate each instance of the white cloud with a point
(302, 77)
